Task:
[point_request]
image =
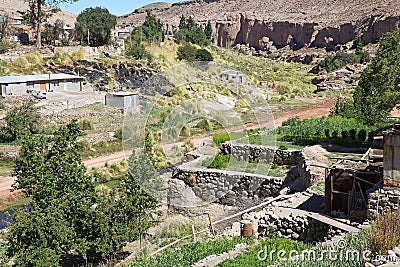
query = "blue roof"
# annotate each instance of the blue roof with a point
(39, 77)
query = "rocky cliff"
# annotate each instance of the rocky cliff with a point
(270, 24)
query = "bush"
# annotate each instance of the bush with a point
(187, 52)
(203, 55)
(384, 234)
(362, 134)
(5, 45)
(221, 138)
(86, 125)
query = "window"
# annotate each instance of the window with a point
(30, 84)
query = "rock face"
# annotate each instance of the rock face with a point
(296, 24)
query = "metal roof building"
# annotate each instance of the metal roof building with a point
(26, 84)
(122, 100)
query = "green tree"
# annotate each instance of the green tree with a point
(135, 48)
(99, 22)
(38, 13)
(23, 119)
(68, 213)
(208, 31)
(152, 28)
(379, 87)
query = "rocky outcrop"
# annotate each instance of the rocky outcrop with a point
(277, 24)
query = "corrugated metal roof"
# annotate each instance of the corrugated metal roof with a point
(40, 77)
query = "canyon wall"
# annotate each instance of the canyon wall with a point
(255, 32)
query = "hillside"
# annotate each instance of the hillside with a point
(313, 23)
(13, 6)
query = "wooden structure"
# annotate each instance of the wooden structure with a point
(346, 187)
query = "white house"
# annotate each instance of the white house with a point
(234, 76)
(27, 84)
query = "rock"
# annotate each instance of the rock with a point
(331, 86)
(397, 251)
(367, 264)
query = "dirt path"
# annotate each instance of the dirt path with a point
(6, 182)
(101, 161)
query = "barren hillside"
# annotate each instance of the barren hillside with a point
(13, 6)
(297, 23)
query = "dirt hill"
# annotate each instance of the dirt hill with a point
(11, 7)
(279, 23)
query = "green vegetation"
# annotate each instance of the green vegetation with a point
(69, 214)
(331, 129)
(20, 120)
(101, 148)
(189, 52)
(379, 86)
(99, 22)
(190, 253)
(192, 33)
(5, 45)
(384, 233)
(227, 162)
(286, 79)
(151, 29)
(266, 245)
(6, 166)
(341, 59)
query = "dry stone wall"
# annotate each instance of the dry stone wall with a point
(260, 153)
(228, 187)
(383, 200)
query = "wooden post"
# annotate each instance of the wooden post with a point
(211, 225)
(193, 233)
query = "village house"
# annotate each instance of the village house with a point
(28, 84)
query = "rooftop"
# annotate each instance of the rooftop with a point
(123, 93)
(39, 77)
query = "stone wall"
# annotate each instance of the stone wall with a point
(383, 200)
(297, 227)
(227, 187)
(260, 153)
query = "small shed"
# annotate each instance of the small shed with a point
(27, 84)
(234, 76)
(122, 100)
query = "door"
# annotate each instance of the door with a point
(42, 87)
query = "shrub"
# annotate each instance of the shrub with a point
(385, 233)
(185, 132)
(86, 125)
(345, 134)
(352, 134)
(221, 138)
(187, 52)
(34, 58)
(203, 55)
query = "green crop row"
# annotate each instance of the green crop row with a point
(264, 253)
(332, 129)
(188, 254)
